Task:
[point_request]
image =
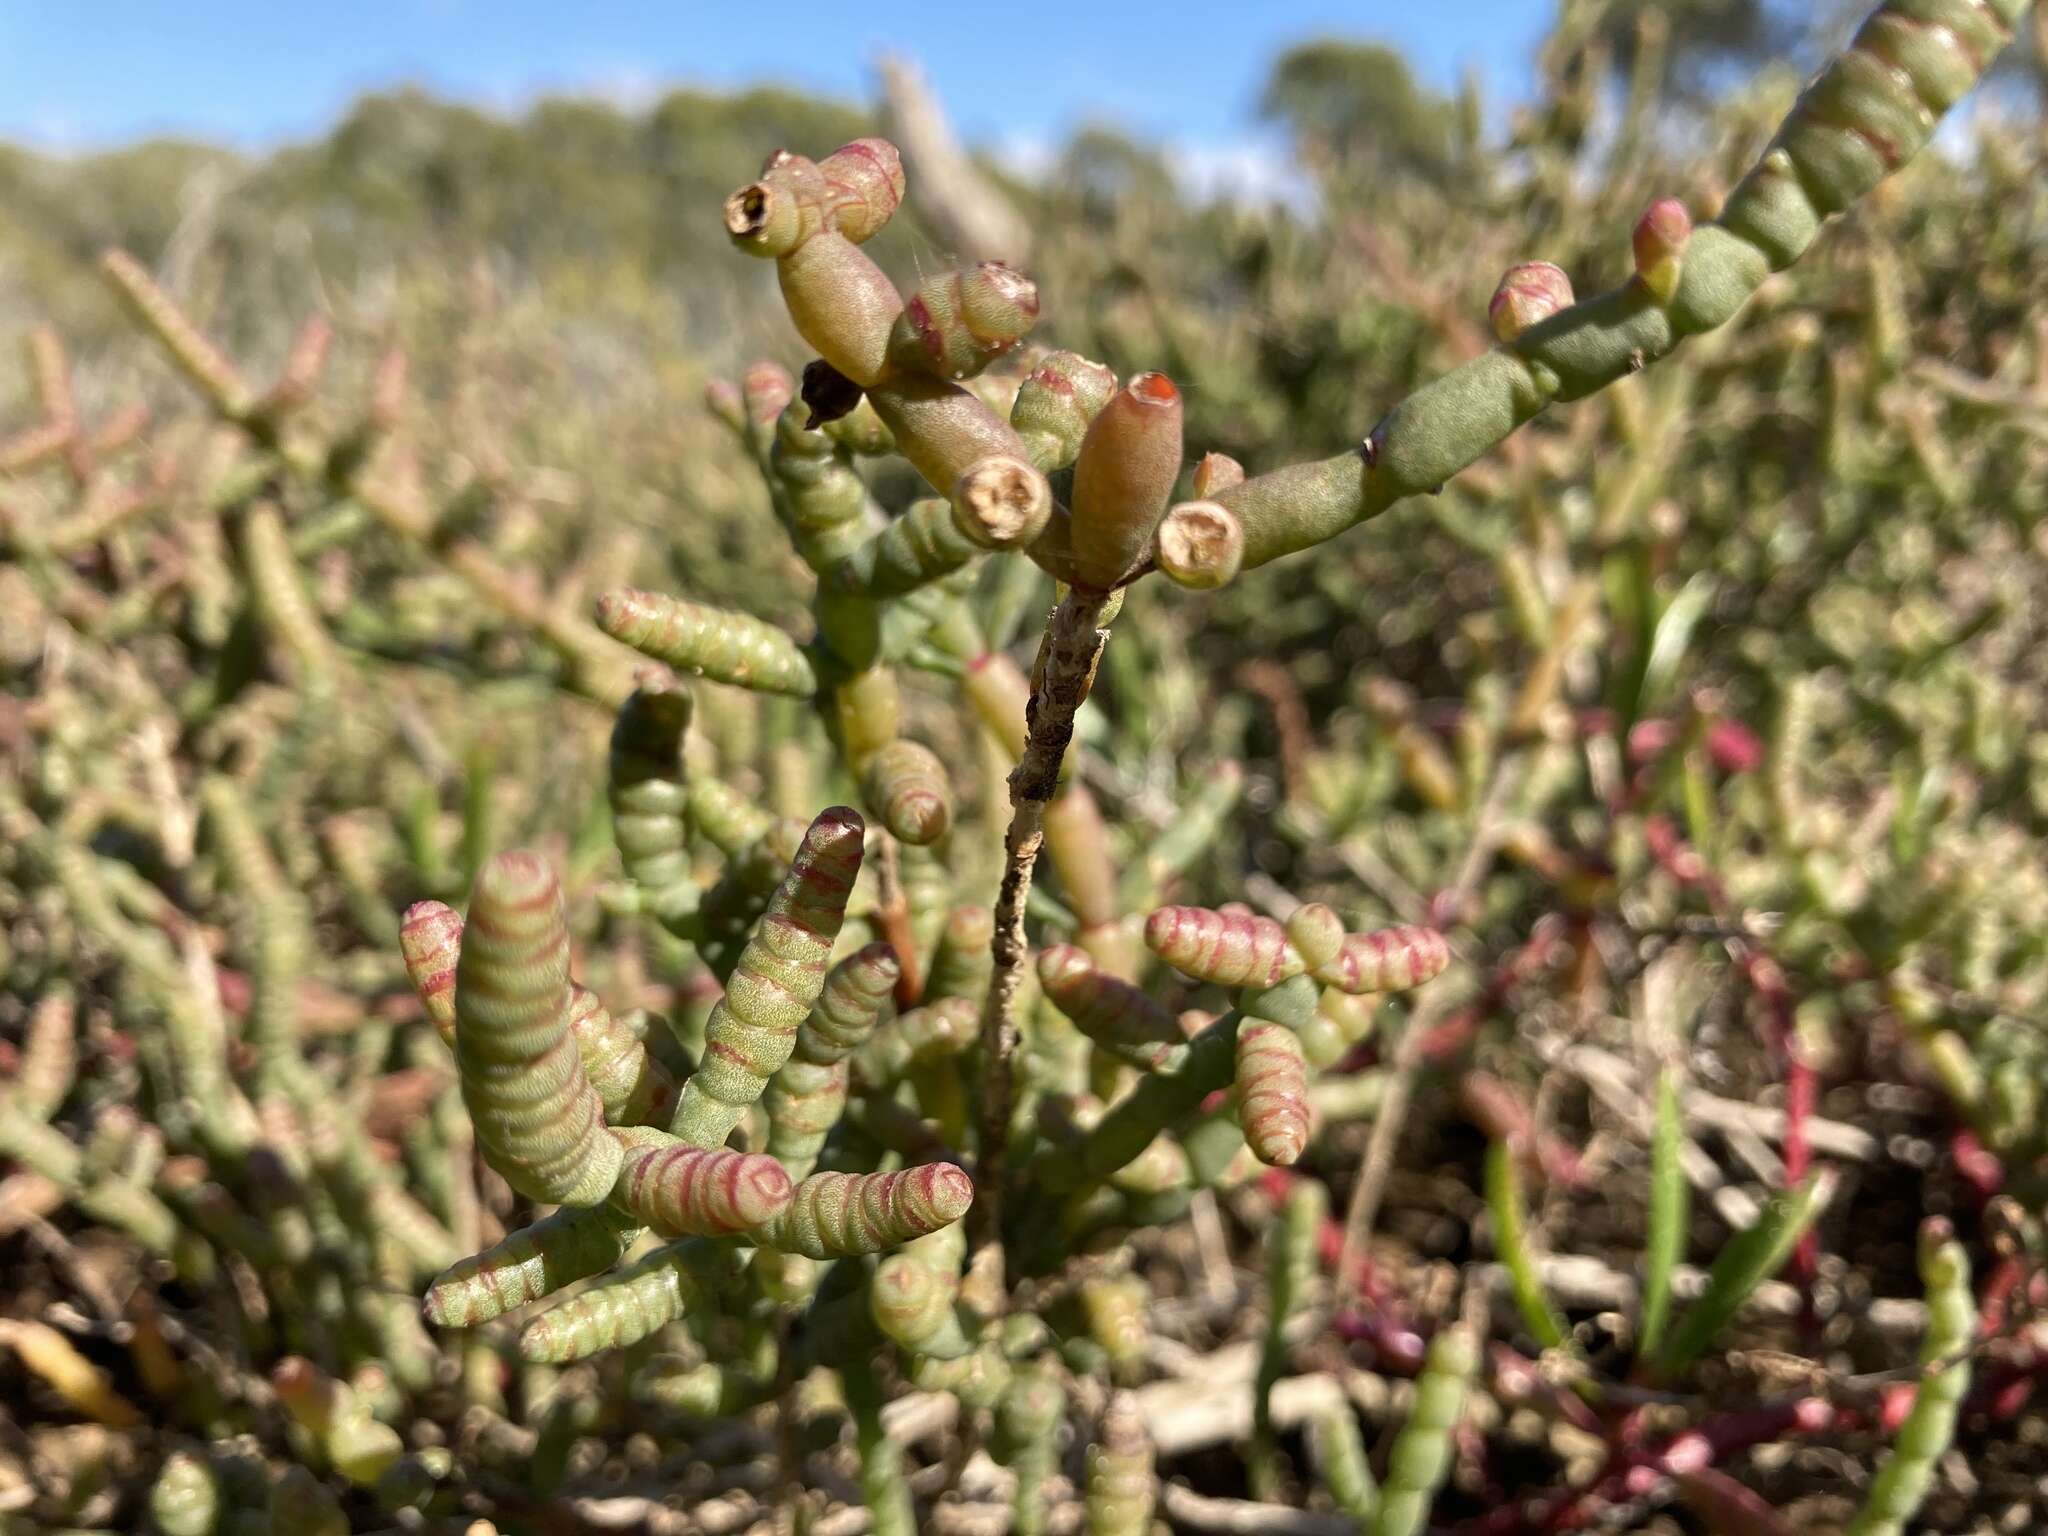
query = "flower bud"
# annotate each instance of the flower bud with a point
(958, 323)
(1200, 545)
(1659, 241)
(864, 187)
(1528, 295)
(852, 192)
(905, 784)
(430, 938)
(1064, 393)
(766, 388)
(1216, 473)
(1123, 478)
(722, 399)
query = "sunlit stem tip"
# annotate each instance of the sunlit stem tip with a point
(1659, 241)
(1124, 477)
(1528, 295)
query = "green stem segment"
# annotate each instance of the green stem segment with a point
(1865, 116)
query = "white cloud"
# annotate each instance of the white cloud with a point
(1248, 170)
(1026, 153)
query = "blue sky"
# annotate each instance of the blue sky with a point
(80, 74)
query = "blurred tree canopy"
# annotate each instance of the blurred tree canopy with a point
(1357, 108)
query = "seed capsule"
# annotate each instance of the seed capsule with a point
(853, 192)
(1001, 502)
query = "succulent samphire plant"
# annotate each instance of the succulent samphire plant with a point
(914, 1101)
(1080, 1101)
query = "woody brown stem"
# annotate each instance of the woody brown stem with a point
(1073, 646)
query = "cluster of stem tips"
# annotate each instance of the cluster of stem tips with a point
(914, 1113)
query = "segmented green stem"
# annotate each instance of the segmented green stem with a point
(683, 1191)
(855, 992)
(1423, 1451)
(915, 1297)
(538, 1120)
(883, 1486)
(281, 924)
(430, 939)
(1056, 404)
(804, 1102)
(1027, 1442)
(717, 643)
(1902, 1483)
(1862, 117)
(1159, 1100)
(628, 1306)
(1123, 1019)
(1390, 960)
(915, 1039)
(1339, 1451)
(725, 818)
(279, 599)
(1291, 1270)
(780, 973)
(1232, 949)
(1272, 1070)
(961, 965)
(837, 1215)
(201, 361)
(650, 794)
(49, 1055)
(536, 1261)
(633, 1087)
(927, 543)
(1121, 1487)
(905, 786)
